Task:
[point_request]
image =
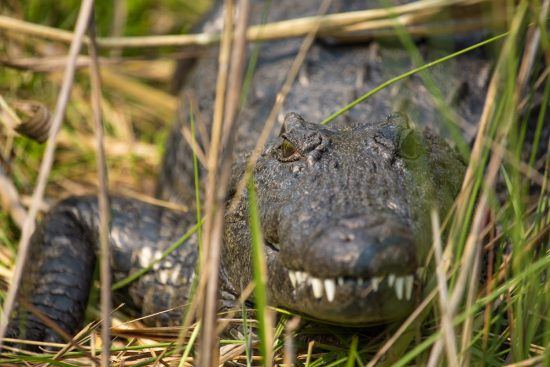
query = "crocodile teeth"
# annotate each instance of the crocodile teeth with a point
(409, 286)
(301, 277)
(375, 283)
(317, 286)
(403, 285)
(292, 276)
(330, 288)
(399, 283)
(391, 279)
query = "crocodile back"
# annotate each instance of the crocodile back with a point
(445, 98)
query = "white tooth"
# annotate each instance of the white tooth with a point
(360, 281)
(317, 286)
(340, 281)
(375, 283)
(292, 276)
(330, 288)
(300, 277)
(409, 286)
(391, 279)
(399, 282)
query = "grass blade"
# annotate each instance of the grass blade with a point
(260, 277)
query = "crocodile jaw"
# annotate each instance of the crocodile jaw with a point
(350, 301)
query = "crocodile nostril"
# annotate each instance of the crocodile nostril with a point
(347, 237)
(362, 246)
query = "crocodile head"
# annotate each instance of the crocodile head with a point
(345, 216)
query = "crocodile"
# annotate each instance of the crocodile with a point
(344, 208)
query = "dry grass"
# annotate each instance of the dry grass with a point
(418, 16)
(46, 165)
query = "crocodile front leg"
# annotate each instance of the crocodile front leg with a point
(58, 275)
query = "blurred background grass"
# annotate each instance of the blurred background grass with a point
(136, 127)
(137, 104)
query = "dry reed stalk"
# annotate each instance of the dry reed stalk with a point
(490, 285)
(532, 173)
(48, 64)
(532, 46)
(310, 346)
(120, 15)
(446, 316)
(18, 350)
(209, 261)
(467, 330)
(284, 29)
(9, 198)
(533, 361)
(34, 342)
(229, 352)
(403, 20)
(8, 116)
(102, 197)
(364, 31)
(192, 141)
(10, 119)
(47, 162)
(234, 83)
(69, 346)
(156, 67)
(289, 347)
(228, 91)
(228, 316)
(166, 104)
(115, 147)
(150, 199)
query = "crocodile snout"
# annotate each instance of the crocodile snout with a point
(362, 246)
(358, 270)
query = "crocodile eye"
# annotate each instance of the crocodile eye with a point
(288, 152)
(409, 145)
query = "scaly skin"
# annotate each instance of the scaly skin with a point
(344, 206)
(58, 275)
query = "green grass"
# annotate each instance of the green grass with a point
(260, 276)
(509, 311)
